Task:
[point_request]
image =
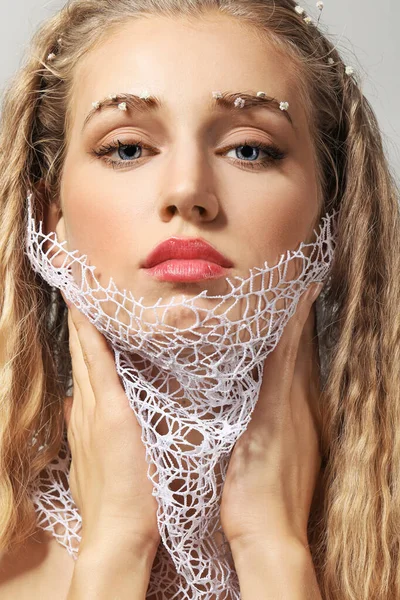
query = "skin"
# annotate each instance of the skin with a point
(275, 207)
(158, 196)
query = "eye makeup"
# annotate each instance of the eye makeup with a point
(271, 151)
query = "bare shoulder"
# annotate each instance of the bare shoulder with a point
(40, 570)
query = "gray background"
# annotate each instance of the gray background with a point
(366, 32)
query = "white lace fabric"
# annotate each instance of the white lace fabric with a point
(193, 390)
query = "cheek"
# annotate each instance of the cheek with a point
(110, 226)
(276, 214)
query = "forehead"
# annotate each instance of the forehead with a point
(183, 61)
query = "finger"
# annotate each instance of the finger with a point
(98, 359)
(67, 302)
(290, 339)
(84, 403)
(68, 400)
(78, 364)
(279, 365)
(68, 417)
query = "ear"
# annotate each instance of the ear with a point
(53, 221)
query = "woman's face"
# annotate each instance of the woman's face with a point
(247, 205)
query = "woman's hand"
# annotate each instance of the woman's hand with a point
(108, 475)
(274, 465)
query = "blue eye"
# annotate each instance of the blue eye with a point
(250, 150)
(254, 152)
(129, 150)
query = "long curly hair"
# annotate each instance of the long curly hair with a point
(354, 525)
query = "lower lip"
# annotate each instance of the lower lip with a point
(186, 270)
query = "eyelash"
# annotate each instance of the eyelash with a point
(274, 154)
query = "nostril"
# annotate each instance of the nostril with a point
(202, 210)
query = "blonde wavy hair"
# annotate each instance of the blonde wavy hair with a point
(354, 526)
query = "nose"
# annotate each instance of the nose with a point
(187, 190)
(190, 205)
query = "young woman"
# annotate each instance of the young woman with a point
(311, 503)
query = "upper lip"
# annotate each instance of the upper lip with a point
(186, 249)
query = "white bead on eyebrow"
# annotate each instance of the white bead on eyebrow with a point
(96, 104)
(145, 94)
(122, 106)
(239, 102)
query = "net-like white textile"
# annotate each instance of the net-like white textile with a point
(193, 390)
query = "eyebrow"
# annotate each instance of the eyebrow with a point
(225, 103)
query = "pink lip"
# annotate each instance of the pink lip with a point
(186, 259)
